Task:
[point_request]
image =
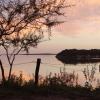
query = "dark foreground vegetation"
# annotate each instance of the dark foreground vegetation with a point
(61, 86)
(74, 56)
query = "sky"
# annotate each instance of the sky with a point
(81, 29)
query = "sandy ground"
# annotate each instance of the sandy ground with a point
(8, 94)
(40, 98)
(43, 98)
(33, 98)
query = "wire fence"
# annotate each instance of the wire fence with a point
(54, 65)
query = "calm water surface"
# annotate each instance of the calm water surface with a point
(27, 65)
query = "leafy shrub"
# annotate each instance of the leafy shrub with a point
(63, 78)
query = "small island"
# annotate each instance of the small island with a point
(75, 56)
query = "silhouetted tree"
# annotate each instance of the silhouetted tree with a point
(23, 22)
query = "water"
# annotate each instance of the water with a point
(27, 65)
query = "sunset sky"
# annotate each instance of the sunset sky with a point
(81, 29)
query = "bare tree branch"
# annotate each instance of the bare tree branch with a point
(22, 24)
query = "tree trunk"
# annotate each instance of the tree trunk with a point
(2, 71)
(10, 72)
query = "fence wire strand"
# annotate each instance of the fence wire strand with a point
(44, 63)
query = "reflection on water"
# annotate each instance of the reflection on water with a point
(27, 65)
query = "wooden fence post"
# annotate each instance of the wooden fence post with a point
(37, 71)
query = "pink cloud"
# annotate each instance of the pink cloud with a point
(83, 17)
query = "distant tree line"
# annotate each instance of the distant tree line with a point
(79, 56)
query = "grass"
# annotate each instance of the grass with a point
(62, 85)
